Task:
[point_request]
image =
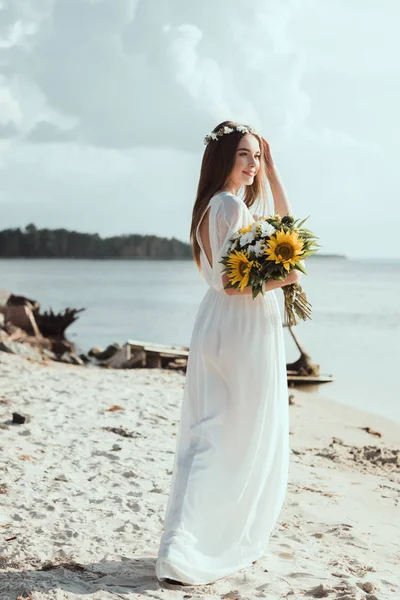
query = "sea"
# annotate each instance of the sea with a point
(353, 334)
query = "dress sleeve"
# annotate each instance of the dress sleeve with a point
(226, 217)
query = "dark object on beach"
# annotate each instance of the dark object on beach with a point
(174, 582)
(371, 431)
(303, 371)
(122, 431)
(104, 354)
(18, 419)
(304, 364)
(54, 325)
(60, 345)
(14, 300)
(26, 331)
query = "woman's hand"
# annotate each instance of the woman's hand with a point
(269, 161)
(292, 277)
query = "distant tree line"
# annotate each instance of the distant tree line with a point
(61, 243)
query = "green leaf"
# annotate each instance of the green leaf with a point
(303, 221)
(300, 268)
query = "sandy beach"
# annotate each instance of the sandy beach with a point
(84, 484)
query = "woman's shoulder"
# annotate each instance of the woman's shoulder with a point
(227, 198)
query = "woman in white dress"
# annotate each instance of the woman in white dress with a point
(230, 470)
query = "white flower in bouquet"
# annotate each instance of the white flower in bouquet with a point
(266, 229)
(258, 248)
(247, 238)
(231, 247)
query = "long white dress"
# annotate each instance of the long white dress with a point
(231, 464)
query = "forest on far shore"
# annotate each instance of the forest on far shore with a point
(32, 242)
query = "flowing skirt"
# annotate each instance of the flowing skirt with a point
(231, 463)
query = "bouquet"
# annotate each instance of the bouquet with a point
(267, 249)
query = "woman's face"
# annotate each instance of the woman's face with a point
(247, 161)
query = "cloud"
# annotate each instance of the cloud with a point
(46, 132)
(9, 130)
(152, 77)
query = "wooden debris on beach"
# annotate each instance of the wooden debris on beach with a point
(149, 355)
(19, 311)
(303, 371)
(303, 365)
(23, 326)
(54, 324)
(138, 354)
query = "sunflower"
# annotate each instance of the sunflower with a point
(240, 266)
(246, 229)
(284, 247)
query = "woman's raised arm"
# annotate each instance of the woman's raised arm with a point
(281, 201)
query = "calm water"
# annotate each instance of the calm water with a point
(354, 334)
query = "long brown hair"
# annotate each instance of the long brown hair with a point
(218, 161)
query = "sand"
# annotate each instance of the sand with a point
(84, 484)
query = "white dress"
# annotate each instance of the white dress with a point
(231, 464)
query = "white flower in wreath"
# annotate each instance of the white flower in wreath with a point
(227, 129)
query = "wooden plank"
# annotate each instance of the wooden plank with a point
(163, 350)
(140, 343)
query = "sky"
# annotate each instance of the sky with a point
(104, 105)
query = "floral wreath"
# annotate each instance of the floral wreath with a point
(214, 135)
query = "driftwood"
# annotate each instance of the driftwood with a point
(25, 313)
(21, 315)
(54, 325)
(160, 356)
(303, 365)
(14, 300)
(136, 353)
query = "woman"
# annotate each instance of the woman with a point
(230, 470)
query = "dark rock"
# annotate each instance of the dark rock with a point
(105, 354)
(59, 346)
(119, 358)
(8, 347)
(320, 591)
(366, 586)
(18, 419)
(93, 352)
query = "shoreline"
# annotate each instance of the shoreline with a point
(84, 485)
